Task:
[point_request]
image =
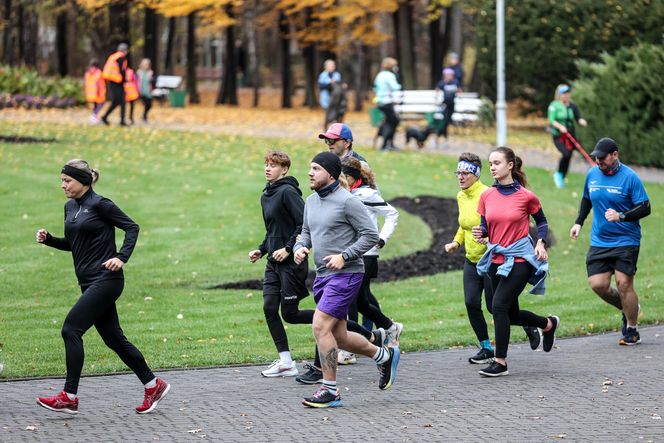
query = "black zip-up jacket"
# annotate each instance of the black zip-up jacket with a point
(283, 211)
(90, 224)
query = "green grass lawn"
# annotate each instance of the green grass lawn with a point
(196, 198)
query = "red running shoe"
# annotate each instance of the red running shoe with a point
(153, 396)
(59, 403)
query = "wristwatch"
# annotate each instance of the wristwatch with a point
(345, 256)
(288, 249)
(621, 216)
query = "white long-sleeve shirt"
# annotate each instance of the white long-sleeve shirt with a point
(377, 206)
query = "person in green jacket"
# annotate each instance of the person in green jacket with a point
(562, 113)
(468, 174)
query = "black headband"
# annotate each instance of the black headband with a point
(355, 173)
(83, 177)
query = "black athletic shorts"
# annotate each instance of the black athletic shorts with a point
(621, 258)
(286, 279)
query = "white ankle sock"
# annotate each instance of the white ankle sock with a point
(392, 328)
(286, 358)
(331, 386)
(71, 396)
(381, 356)
(151, 384)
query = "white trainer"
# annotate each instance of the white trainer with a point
(346, 358)
(278, 369)
(393, 336)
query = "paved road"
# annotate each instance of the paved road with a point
(563, 395)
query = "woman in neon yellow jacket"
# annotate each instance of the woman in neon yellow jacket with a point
(468, 174)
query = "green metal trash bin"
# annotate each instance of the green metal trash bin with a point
(176, 98)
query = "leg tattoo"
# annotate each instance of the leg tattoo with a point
(329, 361)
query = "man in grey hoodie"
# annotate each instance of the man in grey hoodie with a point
(339, 229)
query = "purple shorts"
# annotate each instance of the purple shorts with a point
(336, 292)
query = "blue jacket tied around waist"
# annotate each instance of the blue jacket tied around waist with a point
(523, 248)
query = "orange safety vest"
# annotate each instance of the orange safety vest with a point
(95, 87)
(112, 71)
(130, 86)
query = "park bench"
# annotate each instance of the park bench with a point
(428, 105)
(415, 105)
(166, 84)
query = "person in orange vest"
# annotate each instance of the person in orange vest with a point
(131, 91)
(95, 89)
(115, 75)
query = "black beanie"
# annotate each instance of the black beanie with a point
(330, 162)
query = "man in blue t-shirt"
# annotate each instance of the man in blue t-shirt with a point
(618, 199)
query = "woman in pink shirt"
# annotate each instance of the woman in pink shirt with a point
(505, 210)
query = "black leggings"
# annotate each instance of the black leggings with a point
(96, 306)
(447, 117)
(366, 302)
(116, 91)
(290, 312)
(506, 312)
(389, 126)
(563, 166)
(147, 105)
(473, 286)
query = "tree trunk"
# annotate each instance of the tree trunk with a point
(286, 80)
(61, 40)
(20, 30)
(31, 37)
(360, 74)
(168, 63)
(309, 56)
(440, 43)
(151, 37)
(192, 59)
(456, 30)
(403, 26)
(228, 90)
(436, 51)
(252, 38)
(118, 16)
(7, 50)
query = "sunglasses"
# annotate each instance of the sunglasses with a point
(331, 141)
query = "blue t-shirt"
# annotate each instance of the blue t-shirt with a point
(449, 89)
(622, 192)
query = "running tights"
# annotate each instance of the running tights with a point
(96, 307)
(506, 312)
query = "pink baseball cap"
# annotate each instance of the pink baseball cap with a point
(337, 131)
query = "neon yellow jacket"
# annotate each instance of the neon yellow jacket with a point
(468, 200)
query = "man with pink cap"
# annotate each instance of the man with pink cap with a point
(339, 139)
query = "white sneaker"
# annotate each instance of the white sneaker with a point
(278, 369)
(346, 358)
(393, 336)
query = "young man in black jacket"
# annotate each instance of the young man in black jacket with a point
(284, 282)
